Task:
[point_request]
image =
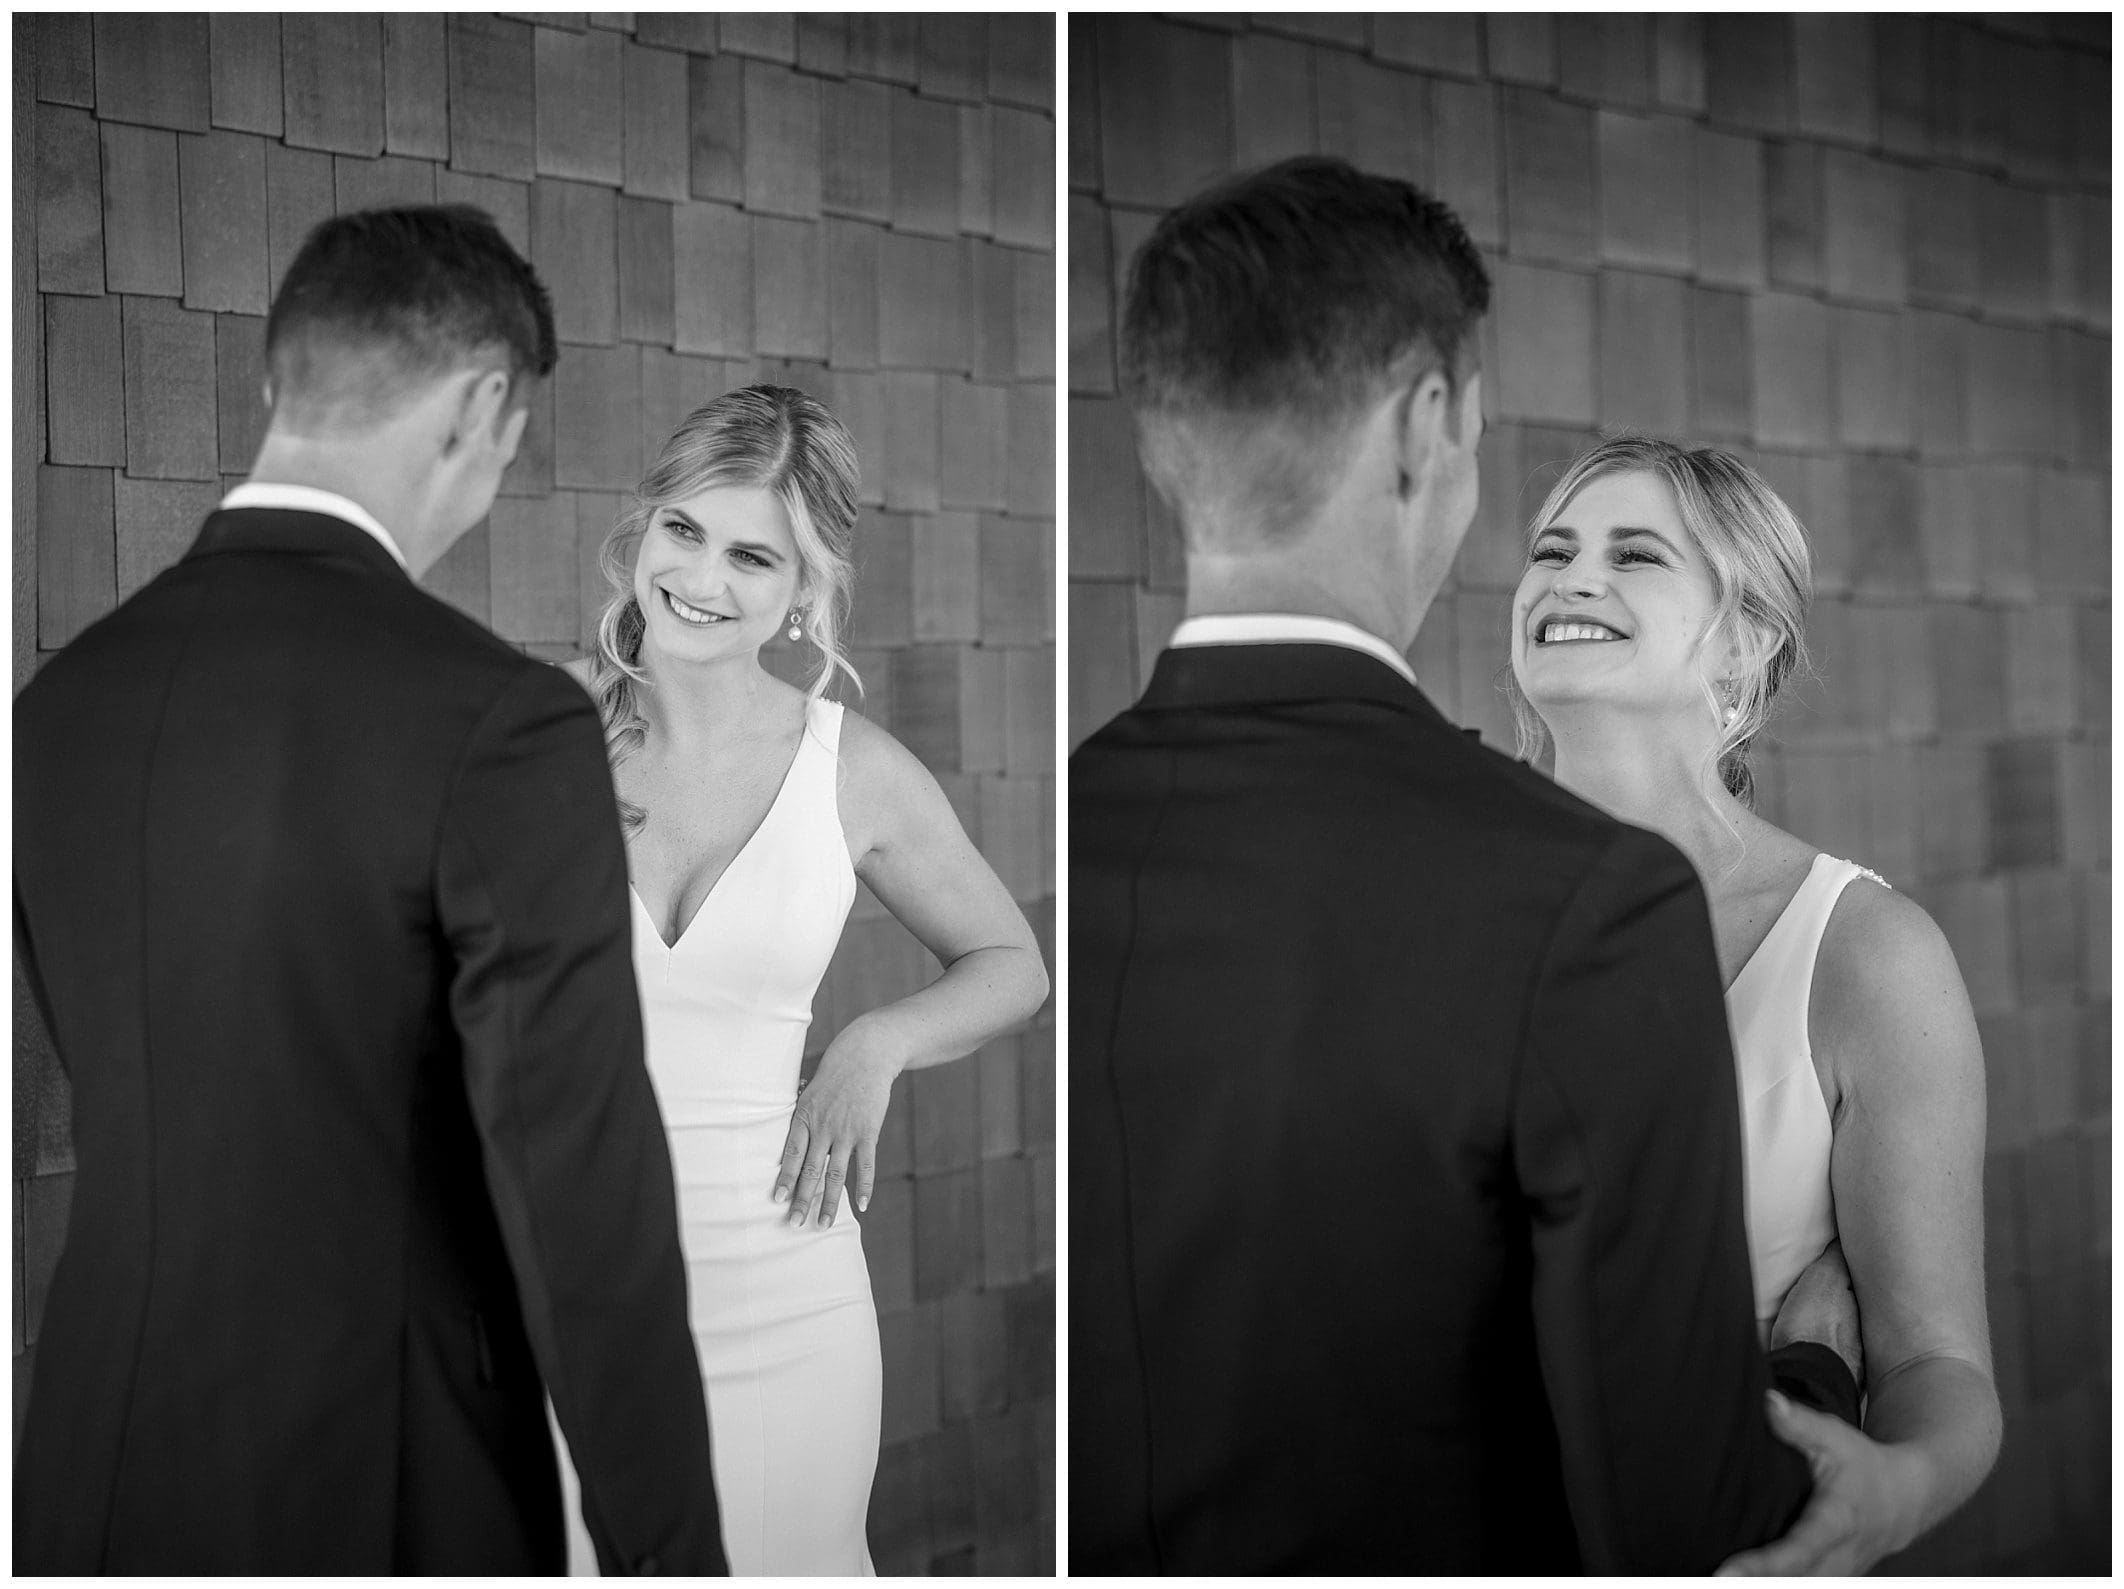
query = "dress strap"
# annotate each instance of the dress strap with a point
(822, 720)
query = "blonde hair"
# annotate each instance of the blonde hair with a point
(1761, 575)
(774, 438)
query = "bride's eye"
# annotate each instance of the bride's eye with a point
(1632, 554)
(679, 529)
(1549, 554)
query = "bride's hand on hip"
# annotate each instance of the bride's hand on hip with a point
(833, 1132)
(1822, 1307)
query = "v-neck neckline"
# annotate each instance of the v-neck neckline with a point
(729, 866)
(1757, 952)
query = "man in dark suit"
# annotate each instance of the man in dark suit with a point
(321, 890)
(1405, 1178)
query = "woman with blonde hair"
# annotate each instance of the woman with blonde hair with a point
(753, 809)
(1662, 609)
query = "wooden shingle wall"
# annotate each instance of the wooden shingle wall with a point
(1871, 256)
(862, 207)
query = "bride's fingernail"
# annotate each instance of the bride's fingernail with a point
(825, 1220)
(781, 1194)
(862, 1205)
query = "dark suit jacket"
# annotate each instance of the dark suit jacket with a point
(1405, 1154)
(321, 888)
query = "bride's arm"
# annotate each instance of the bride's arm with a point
(1907, 1167)
(1891, 1016)
(912, 853)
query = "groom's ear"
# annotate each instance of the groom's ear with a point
(1428, 426)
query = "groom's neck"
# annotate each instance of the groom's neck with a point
(1311, 582)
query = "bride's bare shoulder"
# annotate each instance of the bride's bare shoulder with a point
(1888, 991)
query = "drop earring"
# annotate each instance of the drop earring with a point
(796, 628)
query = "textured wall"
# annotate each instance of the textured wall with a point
(862, 207)
(1871, 255)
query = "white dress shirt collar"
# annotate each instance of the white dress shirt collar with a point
(1285, 628)
(309, 499)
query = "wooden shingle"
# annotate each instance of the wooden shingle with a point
(693, 31)
(781, 153)
(85, 369)
(884, 46)
(1377, 118)
(711, 251)
(1106, 535)
(1433, 41)
(66, 58)
(1643, 339)
(1012, 815)
(597, 427)
(507, 204)
(416, 65)
(852, 294)
(1748, 71)
(1468, 160)
(1939, 374)
(977, 171)
(790, 309)
(947, 581)
(645, 270)
(1678, 62)
(673, 386)
(1835, 79)
(1862, 224)
(299, 194)
(981, 741)
(1035, 275)
(764, 35)
(596, 512)
(822, 44)
(385, 183)
(224, 232)
(1647, 191)
(533, 580)
(855, 149)
(491, 77)
(954, 61)
(859, 403)
(655, 151)
(1025, 179)
(990, 280)
(1164, 109)
(1792, 187)
(1017, 582)
(1021, 60)
(975, 445)
(921, 309)
(883, 618)
(925, 166)
(1029, 711)
(77, 570)
(332, 79)
(1084, 162)
(1607, 59)
(239, 383)
(2010, 391)
(169, 391)
(1722, 360)
(1902, 85)
(69, 201)
(910, 462)
(715, 122)
(1029, 486)
(1544, 324)
(246, 90)
(1548, 179)
(574, 244)
(2013, 251)
(142, 243)
(1273, 110)
(156, 522)
(577, 85)
(1943, 237)
(1873, 382)
(154, 69)
(1795, 390)
(1006, 1259)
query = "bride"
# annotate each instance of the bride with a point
(752, 810)
(1661, 610)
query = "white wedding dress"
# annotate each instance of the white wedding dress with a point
(1785, 1122)
(783, 1321)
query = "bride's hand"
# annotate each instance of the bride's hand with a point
(833, 1133)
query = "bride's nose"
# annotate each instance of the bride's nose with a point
(1579, 577)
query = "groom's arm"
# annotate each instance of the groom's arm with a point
(532, 884)
(1627, 1143)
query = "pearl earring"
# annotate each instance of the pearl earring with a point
(796, 629)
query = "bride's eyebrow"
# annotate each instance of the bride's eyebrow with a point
(1635, 530)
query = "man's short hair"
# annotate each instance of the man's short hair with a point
(381, 301)
(1267, 312)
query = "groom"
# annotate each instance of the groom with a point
(321, 890)
(1405, 1222)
